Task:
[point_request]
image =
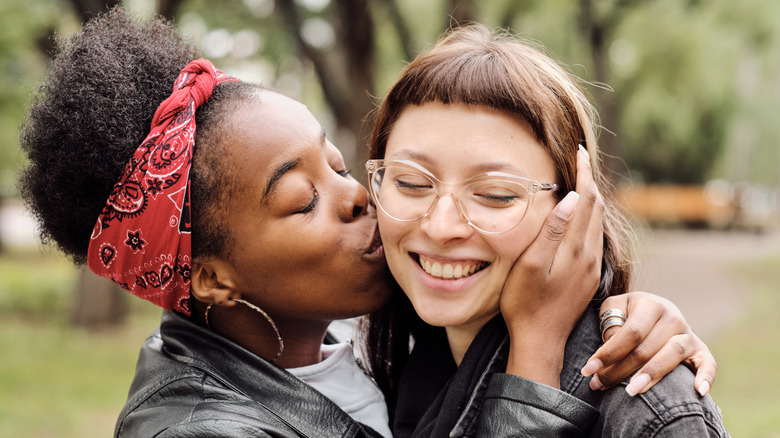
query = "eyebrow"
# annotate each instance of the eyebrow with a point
(490, 166)
(273, 180)
(276, 176)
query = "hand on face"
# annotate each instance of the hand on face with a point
(554, 280)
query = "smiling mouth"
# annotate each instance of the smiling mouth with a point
(450, 270)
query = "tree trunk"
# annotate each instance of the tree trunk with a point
(168, 8)
(87, 9)
(596, 29)
(462, 12)
(98, 302)
(345, 72)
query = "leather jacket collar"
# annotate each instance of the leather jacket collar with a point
(183, 349)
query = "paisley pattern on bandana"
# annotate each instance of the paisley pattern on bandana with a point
(142, 239)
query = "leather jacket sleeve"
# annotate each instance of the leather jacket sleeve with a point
(516, 407)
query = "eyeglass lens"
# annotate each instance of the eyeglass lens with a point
(492, 205)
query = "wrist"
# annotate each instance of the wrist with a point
(539, 359)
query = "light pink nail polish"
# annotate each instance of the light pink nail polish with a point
(637, 383)
(704, 388)
(595, 383)
(591, 367)
(566, 206)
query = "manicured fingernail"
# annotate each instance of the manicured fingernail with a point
(584, 151)
(595, 383)
(591, 367)
(566, 206)
(704, 388)
(637, 383)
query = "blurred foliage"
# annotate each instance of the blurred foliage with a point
(33, 285)
(25, 29)
(695, 82)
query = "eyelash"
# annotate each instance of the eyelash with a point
(316, 198)
(314, 201)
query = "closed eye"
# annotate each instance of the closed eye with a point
(313, 204)
(496, 198)
(408, 186)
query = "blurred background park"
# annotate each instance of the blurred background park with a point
(688, 93)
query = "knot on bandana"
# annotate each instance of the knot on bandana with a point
(142, 238)
(194, 84)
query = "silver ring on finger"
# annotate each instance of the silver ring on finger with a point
(610, 322)
(609, 313)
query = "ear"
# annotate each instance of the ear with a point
(212, 282)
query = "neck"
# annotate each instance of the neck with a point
(244, 326)
(461, 337)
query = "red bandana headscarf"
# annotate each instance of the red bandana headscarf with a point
(142, 239)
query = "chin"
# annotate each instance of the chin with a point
(439, 316)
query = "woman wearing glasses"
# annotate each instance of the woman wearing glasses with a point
(480, 141)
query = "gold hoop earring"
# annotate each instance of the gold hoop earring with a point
(260, 311)
(206, 316)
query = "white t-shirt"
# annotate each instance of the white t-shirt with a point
(339, 378)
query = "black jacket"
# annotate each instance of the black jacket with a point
(191, 382)
(477, 399)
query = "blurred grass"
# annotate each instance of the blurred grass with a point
(748, 355)
(57, 380)
(61, 381)
(34, 285)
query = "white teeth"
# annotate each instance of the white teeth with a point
(448, 270)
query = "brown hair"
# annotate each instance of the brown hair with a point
(474, 66)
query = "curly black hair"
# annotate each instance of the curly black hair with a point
(95, 108)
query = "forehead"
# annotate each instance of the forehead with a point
(267, 132)
(462, 140)
(274, 117)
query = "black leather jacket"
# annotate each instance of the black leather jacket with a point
(191, 382)
(480, 400)
(514, 407)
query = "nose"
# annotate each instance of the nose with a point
(352, 199)
(445, 222)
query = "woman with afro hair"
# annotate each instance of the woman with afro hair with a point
(264, 243)
(251, 235)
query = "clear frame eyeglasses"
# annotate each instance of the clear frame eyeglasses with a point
(492, 202)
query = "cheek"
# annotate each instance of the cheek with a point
(392, 233)
(514, 243)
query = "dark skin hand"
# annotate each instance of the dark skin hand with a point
(556, 278)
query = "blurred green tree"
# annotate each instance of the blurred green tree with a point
(681, 71)
(695, 82)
